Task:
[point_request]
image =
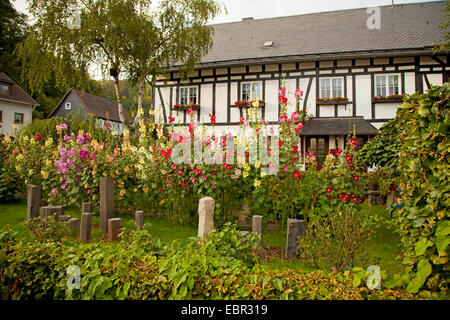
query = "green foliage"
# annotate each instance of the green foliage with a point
(138, 267)
(334, 242)
(383, 149)
(423, 121)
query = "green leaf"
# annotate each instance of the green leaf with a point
(423, 271)
(442, 244)
(278, 284)
(422, 245)
(443, 229)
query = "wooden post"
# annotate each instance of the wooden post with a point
(205, 216)
(106, 202)
(295, 229)
(257, 226)
(74, 224)
(33, 201)
(86, 226)
(45, 212)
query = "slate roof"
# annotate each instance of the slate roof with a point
(96, 105)
(338, 126)
(17, 94)
(406, 26)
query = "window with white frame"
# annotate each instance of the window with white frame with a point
(331, 87)
(188, 95)
(386, 85)
(251, 91)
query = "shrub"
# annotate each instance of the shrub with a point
(423, 121)
(333, 243)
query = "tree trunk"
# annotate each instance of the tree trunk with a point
(119, 100)
(140, 99)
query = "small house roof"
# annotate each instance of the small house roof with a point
(338, 126)
(16, 93)
(98, 106)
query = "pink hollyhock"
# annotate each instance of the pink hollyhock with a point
(182, 184)
(54, 191)
(64, 186)
(174, 167)
(285, 168)
(297, 174)
(295, 116)
(180, 172)
(213, 185)
(63, 126)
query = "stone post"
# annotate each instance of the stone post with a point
(205, 216)
(257, 226)
(114, 226)
(86, 207)
(139, 217)
(86, 227)
(33, 201)
(295, 228)
(74, 224)
(45, 212)
(106, 202)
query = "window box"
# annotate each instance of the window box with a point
(338, 100)
(182, 107)
(388, 99)
(248, 104)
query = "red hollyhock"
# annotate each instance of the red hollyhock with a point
(213, 119)
(297, 174)
(355, 177)
(328, 190)
(38, 137)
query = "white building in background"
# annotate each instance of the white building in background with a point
(327, 55)
(16, 106)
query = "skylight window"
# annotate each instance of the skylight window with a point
(268, 44)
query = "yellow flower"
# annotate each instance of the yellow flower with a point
(30, 172)
(263, 173)
(48, 163)
(20, 157)
(145, 190)
(247, 167)
(48, 142)
(257, 183)
(161, 202)
(245, 174)
(256, 103)
(44, 174)
(257, 164)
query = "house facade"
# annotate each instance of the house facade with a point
(77, 101)
(352, 75)
(16, 106)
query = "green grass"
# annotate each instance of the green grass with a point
(382, 250)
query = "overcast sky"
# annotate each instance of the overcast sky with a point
(258, 9)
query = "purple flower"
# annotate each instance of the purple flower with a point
(54, 191)
(67, 138)
(63, 126)
(64, 186)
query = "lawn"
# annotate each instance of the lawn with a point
(383, 249)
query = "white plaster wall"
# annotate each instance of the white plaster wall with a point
(311, 104)
(410, 82)
(206, 102)
(8, 109)
(221, 102)
(363, 96)
(290, 94)
(378, 125)
(434, 79)
(386, 110)
(345, 110)
(271, 100)
(235, 115)
(326, 110)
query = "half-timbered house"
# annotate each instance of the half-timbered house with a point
(352, 72)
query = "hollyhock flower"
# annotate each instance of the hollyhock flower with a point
(171, 119)
(182, 184)
(355, 177)
(328, 190)
(204, 178)
(63, 126)
(180, 172)
(298, 94)
(297, 174)
(190, 112)
(197, 171)
(64, 186)
(283, 117)
(38, 137)
(285, 168)
(174, 167)
(329, 196)
(213, 185)
(295, 116)
(54, 191)
(213, 118)
(348, 157)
